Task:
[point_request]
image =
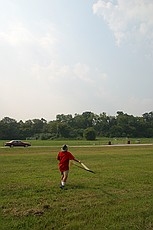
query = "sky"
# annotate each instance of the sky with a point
(69, 57)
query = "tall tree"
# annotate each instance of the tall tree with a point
(9, 128)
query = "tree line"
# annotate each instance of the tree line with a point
(86, 125)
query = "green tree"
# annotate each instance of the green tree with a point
(64, 130)
(25, 129)
(9, 129)
(88, 119)
(64, 118)
(148, 124)
(102, 124)
(52, 128)
(90, 134)
(38, 125)
(127, 124)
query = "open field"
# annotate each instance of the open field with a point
(98, 141)
(118, 196)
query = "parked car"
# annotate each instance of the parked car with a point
(17, 143)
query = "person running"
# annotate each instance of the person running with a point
(64, 156)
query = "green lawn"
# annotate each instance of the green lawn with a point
(98, 141)
(118, 196)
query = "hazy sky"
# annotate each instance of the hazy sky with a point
(72, 56)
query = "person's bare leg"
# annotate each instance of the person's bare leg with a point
(64, 178)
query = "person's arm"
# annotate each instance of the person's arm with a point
(71, 157)
(58, 157)
(77, 160)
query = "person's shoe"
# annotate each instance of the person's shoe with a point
(63, 187)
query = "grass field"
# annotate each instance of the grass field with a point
(118, 196)
(98, 141)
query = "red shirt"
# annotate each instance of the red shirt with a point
(64, 158)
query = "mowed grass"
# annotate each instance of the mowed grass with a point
(118, 196)
(98, 141)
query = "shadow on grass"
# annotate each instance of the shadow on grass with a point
(85, 187)
(77, 186)
(112, 195)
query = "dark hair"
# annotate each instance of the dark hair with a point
(65, 147)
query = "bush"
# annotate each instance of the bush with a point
(90, 134)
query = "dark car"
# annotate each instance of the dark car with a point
(17, 143)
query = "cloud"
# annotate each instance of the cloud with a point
(39, 52)
(51, 72)
(78, 72)
(27, 46)
(130, 20)
(82, 71)
(17, 34)
(135, 105)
